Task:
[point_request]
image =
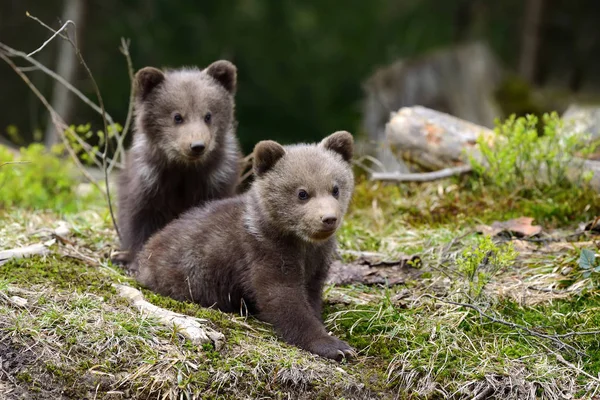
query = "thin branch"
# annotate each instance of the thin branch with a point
(573, 366)
(51, 38)
(14, 162)
(28, 69)
(120, 149)
(554, 338)
(56, 119)
(13, 52)
(54, 75)
(421, 176)
(101, 104)
(584, 333)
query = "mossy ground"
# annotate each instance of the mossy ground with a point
(76, 338)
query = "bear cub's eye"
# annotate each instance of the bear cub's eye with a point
(207, 117)
(335, 191)
(178, 118)
(303, 195)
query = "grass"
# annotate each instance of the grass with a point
(77, 338)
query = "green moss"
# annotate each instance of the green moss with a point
(24, 377)
(61, 273)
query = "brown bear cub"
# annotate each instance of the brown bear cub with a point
(268, 251)
(184, 149)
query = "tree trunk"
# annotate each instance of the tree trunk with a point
(62, 100)
(530, 40)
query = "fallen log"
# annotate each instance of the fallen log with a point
(430, 140)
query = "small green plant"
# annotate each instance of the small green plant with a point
(91, 153)
(479, 264)
(523, 159)
(589, 264)
(42, 181)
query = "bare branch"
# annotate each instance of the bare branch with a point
(13, 52)
(61, 126)
(51, 38)
(14, 162)
(194, 329)
(104, 120)
(21, 252)
(120, 149)
(573, 366)
(421, 176)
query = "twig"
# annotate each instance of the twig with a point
(22, 252)
(554, 338)
(105, 122)
(421, 176)
(484, 394)
(584, 333)
(120, 150)
(51, 38)
(14, 162)
(573, 366)
(194, 329)
(56, 120)
(13, 52)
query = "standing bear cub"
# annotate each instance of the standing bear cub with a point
(268, 251)
(184, 149)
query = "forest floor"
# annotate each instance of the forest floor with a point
(512, 318)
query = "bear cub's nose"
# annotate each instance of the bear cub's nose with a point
(197, 148)
(329, 221)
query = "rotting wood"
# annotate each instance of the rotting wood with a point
(194, 329)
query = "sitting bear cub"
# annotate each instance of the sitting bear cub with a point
(184, 150)
(267, 251)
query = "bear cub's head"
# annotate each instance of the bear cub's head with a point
(302, 189)
(185, 113)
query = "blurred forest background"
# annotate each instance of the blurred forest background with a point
(302, 64)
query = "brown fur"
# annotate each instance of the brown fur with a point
(164, 176)
(267, 251)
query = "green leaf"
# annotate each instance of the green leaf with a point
(587, 260)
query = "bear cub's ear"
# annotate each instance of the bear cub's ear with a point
(225, 73)
(266, 155)
(146, 80)
(341, 142)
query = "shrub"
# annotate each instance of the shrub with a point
(479, 264)
(523, 160)
(43, 181)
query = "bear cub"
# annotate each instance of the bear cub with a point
(184, 149)
(265, 252)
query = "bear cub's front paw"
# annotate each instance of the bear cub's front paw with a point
(331, 347)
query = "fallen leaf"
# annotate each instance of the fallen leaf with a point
(519, 227)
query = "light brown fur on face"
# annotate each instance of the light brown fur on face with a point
(267, 251)
(184, 107)
(283, 172)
